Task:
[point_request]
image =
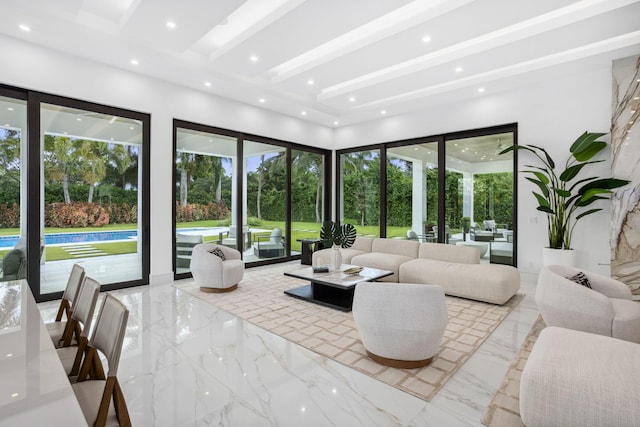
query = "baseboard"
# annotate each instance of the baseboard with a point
(159, 279)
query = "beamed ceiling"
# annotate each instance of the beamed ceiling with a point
(336, 62)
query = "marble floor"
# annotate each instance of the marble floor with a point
(187, 363)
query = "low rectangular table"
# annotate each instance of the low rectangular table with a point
(333, 289)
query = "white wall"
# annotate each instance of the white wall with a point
(550, 114)
(32, 67)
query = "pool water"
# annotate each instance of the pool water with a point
(80, 237)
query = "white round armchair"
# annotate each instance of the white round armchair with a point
(400, 324)
(216, 268)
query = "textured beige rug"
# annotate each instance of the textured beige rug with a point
(260, 299)
(504, 408)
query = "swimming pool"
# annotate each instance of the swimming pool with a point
(80, 237)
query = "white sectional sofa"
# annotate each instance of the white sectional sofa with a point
(456, 268)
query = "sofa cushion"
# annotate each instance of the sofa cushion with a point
(383, 261)
(450, 253)
(362, 244)
(407, 248)
(483, 282)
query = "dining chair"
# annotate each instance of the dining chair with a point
(100, 396)
(71, 357)
(56, 329)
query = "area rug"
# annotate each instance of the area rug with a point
(504, 408)
(260, 299)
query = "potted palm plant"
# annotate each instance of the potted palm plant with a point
(336, 236)
(565, 195)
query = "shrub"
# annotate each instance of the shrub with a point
(196, 212)
(9, 215)
(75, 215)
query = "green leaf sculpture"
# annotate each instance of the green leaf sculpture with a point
(559, 196)
(333, 234)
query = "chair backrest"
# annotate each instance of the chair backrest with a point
(233, 231)
(108, 334)
(276, 236)
(490, 225)
(85, 304)
(73, 284)
(411, 235)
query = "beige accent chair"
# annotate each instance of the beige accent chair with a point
(607, 309)
(100, 397)
(577, 379)
(213, 274)
(400, 324)
(56, 329)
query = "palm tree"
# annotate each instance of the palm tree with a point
(58, 161)
(121, 157)
(356, 164)
(90, 157)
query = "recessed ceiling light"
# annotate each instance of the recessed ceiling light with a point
(426, 39)
(66, 133)
(310, 82)
(10, 108)
(636, 98)
(304, 113)
(134, 61)
(383, 112)
(131, 127)
(207, 84)
(171, 25)
(111, 139)
(253, 58)
(262, 100)
(78, 119)
(335, 123)
(24, 28)
(481, 89)
(458, 69)
(352, 99)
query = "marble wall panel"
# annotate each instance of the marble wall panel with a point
(625, 164)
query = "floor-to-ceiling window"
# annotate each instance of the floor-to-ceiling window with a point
(265, 200)
(262, 205)
(307, 196)
(13, 181)
(79, 185)
(412, 191)
(359, 190)
(454, 188)
(480, 199)
(205, 191)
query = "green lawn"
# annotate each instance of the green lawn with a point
(299, 230)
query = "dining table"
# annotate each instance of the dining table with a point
(34, 387)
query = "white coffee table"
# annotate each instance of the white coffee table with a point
(334, 288)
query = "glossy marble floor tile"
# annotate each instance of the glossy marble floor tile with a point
(187, 363)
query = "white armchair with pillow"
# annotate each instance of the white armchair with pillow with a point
(605, 309)
(216, 268)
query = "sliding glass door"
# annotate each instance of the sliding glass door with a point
(74, 189)
(265, 200)
(13, 183)
(359, 191)
(412, 191)
(205, 188)
(257, 195)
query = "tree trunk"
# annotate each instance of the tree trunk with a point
(318, 197)
(260, 172)
(183, 188)
(219, 189)
(90, 199)
(65, 188)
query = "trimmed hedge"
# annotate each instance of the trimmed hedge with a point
(197, 212)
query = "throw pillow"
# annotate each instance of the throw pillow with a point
(581, 279)
(218, 252)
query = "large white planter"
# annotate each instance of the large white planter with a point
(558, 256)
